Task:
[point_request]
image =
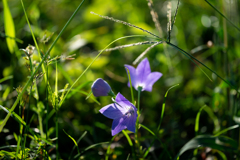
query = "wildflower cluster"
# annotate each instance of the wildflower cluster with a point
(123, 112)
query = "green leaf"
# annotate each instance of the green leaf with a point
(9, 27)
(219, 143)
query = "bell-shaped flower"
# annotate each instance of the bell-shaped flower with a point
(142, 76)
(123, 113)
(101, 88)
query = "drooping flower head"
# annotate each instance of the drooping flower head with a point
(123, 113)
(142, 75)
(101, 88)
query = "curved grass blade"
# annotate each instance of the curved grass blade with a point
(130, 143)
(220, 143)
(197, 120)
(83, 135)
(227, 129)
(163, 105)
(223, 15)
(6, 78)
(89, 147)
(163, 145)
(37, 68)
(72, 140)
(9, 27)
(211, 115)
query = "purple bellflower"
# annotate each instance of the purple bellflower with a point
(142, 75)
(101, 88)
(123, 113)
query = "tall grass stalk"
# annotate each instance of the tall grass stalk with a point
(38, 67)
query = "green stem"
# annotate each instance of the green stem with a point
(38, 67)
(57, 154)
(187, 54)
(137, 121)
(47, 104)
(129, 77)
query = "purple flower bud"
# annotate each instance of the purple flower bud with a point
(101, 88)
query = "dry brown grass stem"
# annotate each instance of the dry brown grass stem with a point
(125, 23)
(174, 19)
(169, 7)
(155, 18)
(145, 52)
(129, 45)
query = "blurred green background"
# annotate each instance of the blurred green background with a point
(199, 30)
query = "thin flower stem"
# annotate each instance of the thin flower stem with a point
(56, 108)
(129, 77)
(47, 103)
(137, 122)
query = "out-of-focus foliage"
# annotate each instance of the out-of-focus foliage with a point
(198, 29)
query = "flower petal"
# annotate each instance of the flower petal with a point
(151, 79)
(131, 125)
(119, 124)
(143, 70)
(113, 111)
(133, 75)
(120, 99)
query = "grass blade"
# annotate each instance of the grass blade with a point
(90, 147)
(83, 135)
(72, 140)
(38, 67)
(163, 145)
(191, 57)
(9, 27)
(163, 105)
(227, 129)
(130, 143)
(223, 15)
(219, 143)
(6, 78)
